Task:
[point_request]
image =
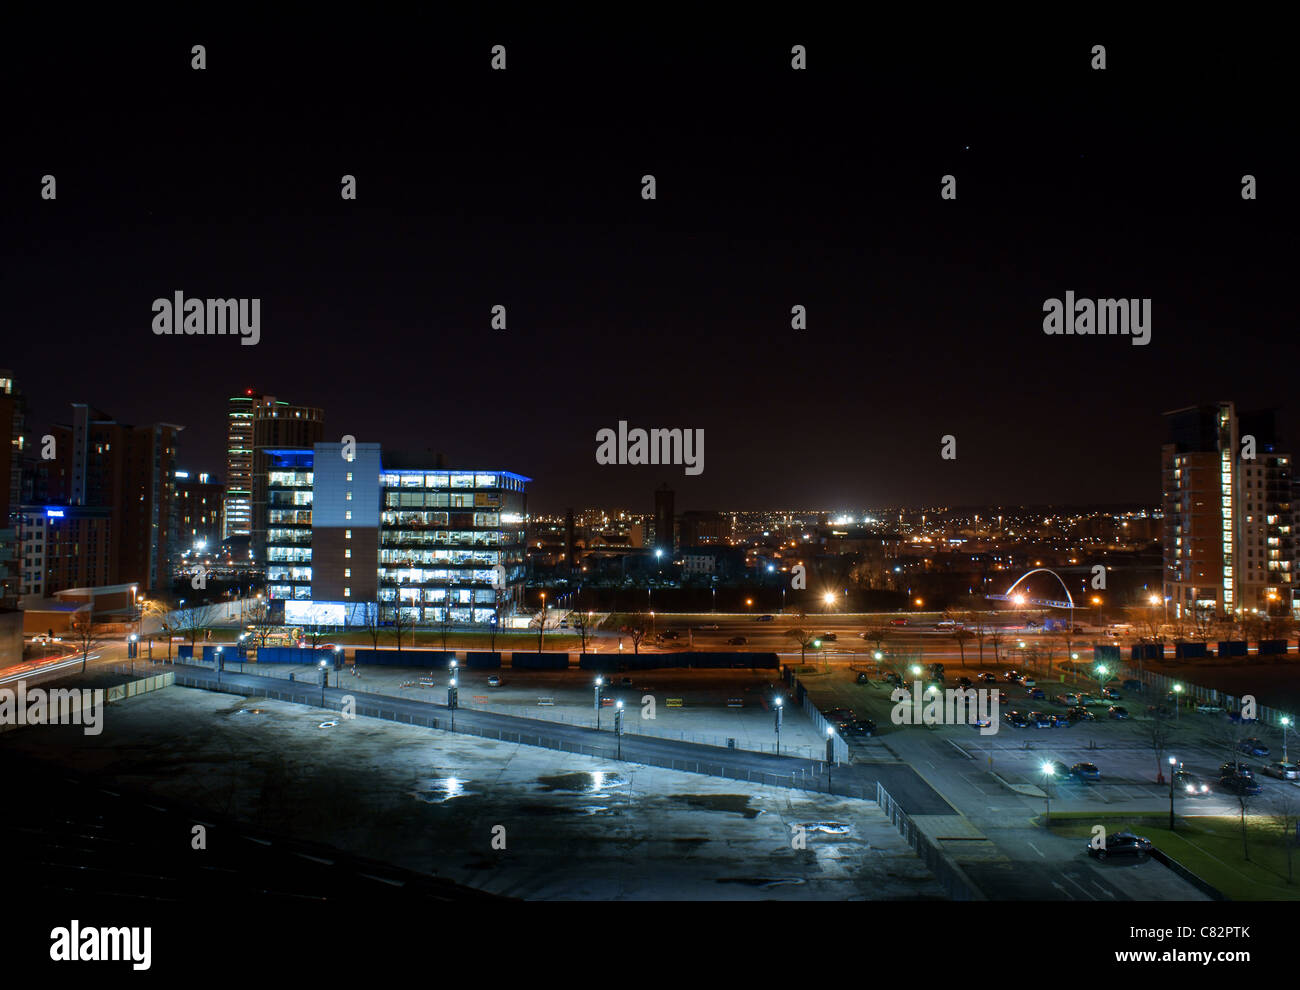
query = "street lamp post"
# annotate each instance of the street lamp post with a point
(1048, 773)
(324, 679)
(218, 664)
(1178, 701)
(780, 710)
(1286, 725)
(453, 699)
(830, 754)
(1172, 762)
(599, 682)
(618, 727)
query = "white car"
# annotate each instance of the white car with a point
(1283, 771)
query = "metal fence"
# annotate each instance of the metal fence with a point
(825, 728)
(947, 872)
(815, 777)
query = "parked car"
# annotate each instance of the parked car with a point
(1036, 694)
(1122, 844)
(1282, 771)
(898, 622)
(829, 637)
(738, 641)
(766, 618)
(1040, 720)
(1057, 769)
(1013, 677)
(1207, 709)
(1004, 698)
(865, 727)
(839, 715)
(988, 678)
(671, 634)
(1061, 722)
(1086, 771)
(1253, 747)
(1015, 719)
(1238, 784)
(1115, 711)
(494, 680)
(965, 682)
(862, 677)
(1080, 714)
(1190, 784)
(1110, 694)
(1236, 768)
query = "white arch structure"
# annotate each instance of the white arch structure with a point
(1069, 600)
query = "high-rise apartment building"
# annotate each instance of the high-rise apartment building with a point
(129, 470)
(11, 459)
(1227, 488)
(664, 519)
(256, 423)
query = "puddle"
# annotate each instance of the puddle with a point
(594, 809)
(582, 783)
(738, 803)
(830, 828)
(328, 725)
(440, 790)
(762, 881)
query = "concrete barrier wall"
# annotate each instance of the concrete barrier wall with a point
(118, 692)
(404, 658)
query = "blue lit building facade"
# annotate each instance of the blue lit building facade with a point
(353, 537)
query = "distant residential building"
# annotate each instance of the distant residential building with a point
(11, 458)
(65, 546)
(1228, 542)
(200, 501)
(129, 470)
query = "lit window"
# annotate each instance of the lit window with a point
(348, 514)
(349, 476)
(347, 592)
(348, 553)
(347, 572)
(347, 534)
(349, 496)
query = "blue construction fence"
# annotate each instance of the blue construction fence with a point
(404, 658)
(690, 659)
(539, 661)
(483, 660)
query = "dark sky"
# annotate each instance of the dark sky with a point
(775, 188)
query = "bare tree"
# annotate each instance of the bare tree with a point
(803, 637)
(636, 629)
(541, 622)
(402, 621)
(580, 625)
(444, 620)
(83, 633)
(1158, 732)
(962, 636)
(162, 614)
(371, 623)
(196, 620)
(877, 634)
(978, 624)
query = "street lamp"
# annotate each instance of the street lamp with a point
(1172, 761)
(779, 711)
(1049, 772)
(453, 699)
(599, 682)
(1178, 700)
(1286, 724)
(324, 677)
(217, 663)
(618, 726)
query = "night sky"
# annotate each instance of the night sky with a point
(775, 188)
